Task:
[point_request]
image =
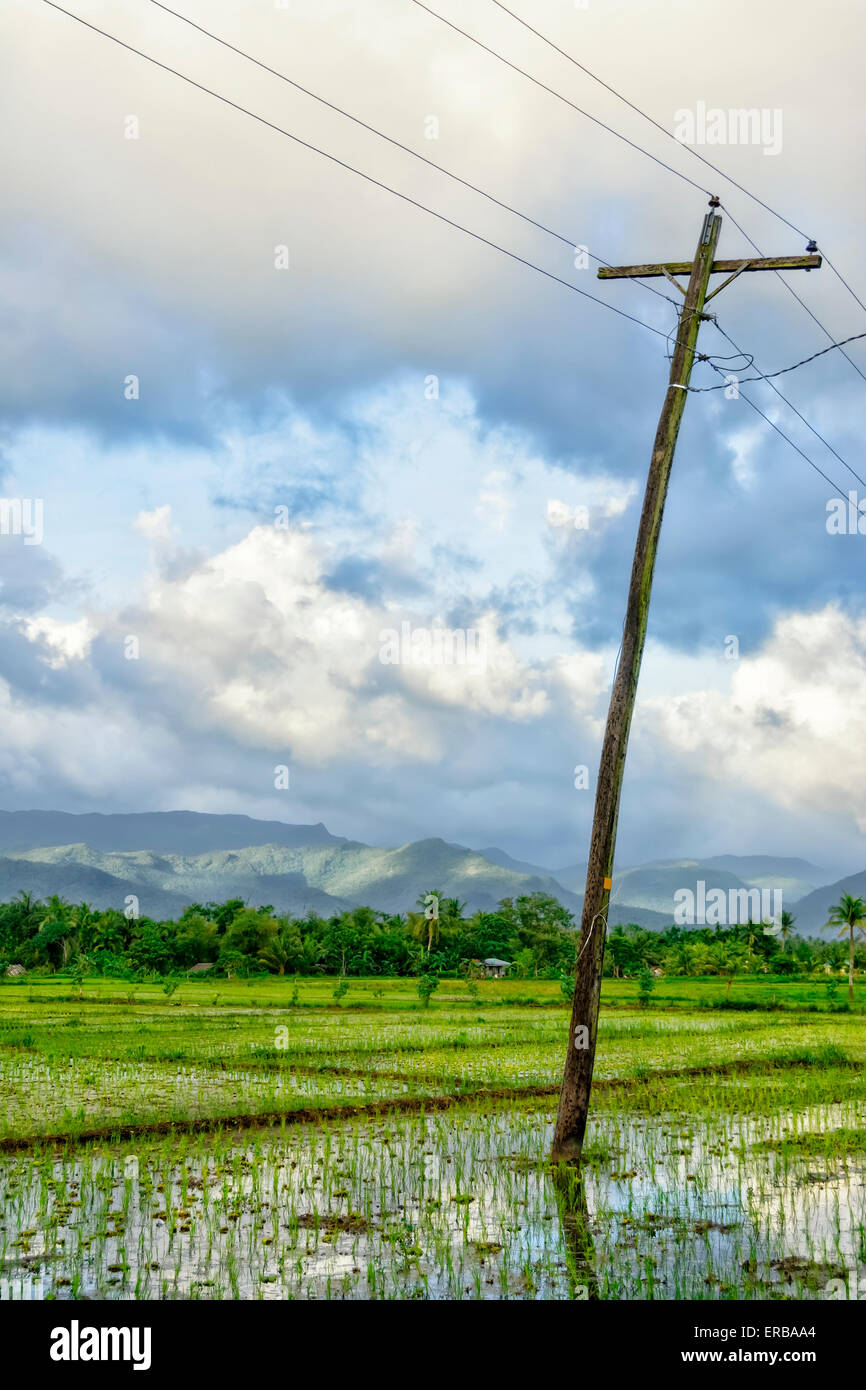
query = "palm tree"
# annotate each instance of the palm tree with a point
(430, 902)
(30, 908)
(56, 909)
(275, 955)
(733, 960)
(106, 931)
(849, 915)
(82, 915)
(786, 926)
(749, 932)
(452, 909)
(57, 926)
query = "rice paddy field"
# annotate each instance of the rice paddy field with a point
(266, 1140)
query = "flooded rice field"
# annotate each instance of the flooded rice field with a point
(725, 1159)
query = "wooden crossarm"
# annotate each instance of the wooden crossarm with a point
(645, 272)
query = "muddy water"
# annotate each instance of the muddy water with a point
(459, 1204)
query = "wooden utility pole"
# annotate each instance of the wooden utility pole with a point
(580, 1056)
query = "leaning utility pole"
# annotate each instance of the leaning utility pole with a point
(580, 1056)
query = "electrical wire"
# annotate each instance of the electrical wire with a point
(670, 135)
(305, 144)
(840, 276)
(800, 416)
(398, 144)
(458, 226)
(768, 376)
(646, 116)
(553, 92)
(790, 288)
(790, 441)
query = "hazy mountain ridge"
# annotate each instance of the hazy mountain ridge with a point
(79, 883)
(653, 885)
(187, 832)
(324, 879)
(811, 912)
(304, 868)
(292, 880)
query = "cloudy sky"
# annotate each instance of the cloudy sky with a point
(403, 425)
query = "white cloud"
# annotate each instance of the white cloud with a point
(792, 728)
(68, 641)
(156, 525)
(615, 504)
(273, 656)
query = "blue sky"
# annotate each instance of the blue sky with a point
(303, 395)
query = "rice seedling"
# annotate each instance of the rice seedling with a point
(283, 1144)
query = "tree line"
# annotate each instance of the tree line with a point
(534, 933)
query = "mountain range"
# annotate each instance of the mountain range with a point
(167, 859)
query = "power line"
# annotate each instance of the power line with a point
(658, 125)
(714, 358)
(840, 276)
(398, 144)
(407, 149)
(768, 376)
(790, 441)
(280, 130)
(798, 413)
(560, 97)
(634, 145)
(568, 241)
(790, 288)
(440, 216)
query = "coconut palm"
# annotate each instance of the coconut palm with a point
(452, 909)
(29, 907)
(57, 928)
(786, 926)
(82, 916)
(56, 909)
(106, 931)
(276, 955)
(429, 921)
(849, 915)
